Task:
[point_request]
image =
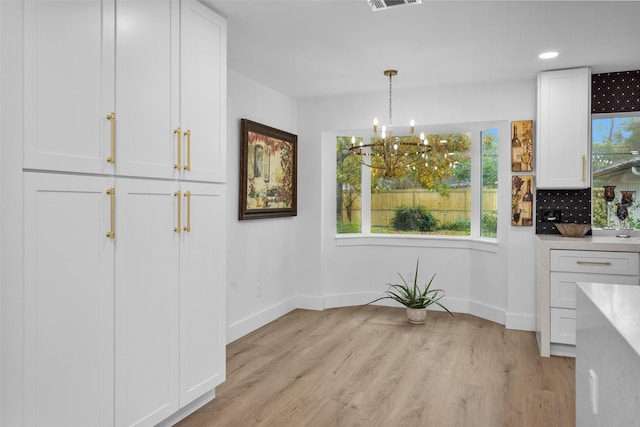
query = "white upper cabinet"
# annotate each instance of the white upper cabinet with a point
(68, 91)
(139, 89)
(203, 87)
(147, 85)
(564, 129)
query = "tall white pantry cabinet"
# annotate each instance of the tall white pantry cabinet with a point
(122, 319)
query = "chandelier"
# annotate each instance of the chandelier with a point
(389, 153)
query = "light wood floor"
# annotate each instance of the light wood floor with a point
(366, 366)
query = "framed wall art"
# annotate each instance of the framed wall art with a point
(522, 146)
(268, 172)
(522, 189)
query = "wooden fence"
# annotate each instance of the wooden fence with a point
(445, 209)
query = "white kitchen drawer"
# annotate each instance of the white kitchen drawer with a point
(563, 326)
(625, 263)
(563, 285)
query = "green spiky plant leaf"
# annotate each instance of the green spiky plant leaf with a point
(412, 295)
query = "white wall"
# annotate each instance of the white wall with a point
(11, 274)
(259, 252)
(300, 263)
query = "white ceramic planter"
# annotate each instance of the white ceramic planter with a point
(417, 316)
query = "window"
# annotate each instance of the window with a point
(615, 167)
(489, 201)
(438, 202)
(348, 188)
(431, 199)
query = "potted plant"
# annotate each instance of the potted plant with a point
(415, 298)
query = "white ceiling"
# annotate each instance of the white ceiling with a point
(306, 48)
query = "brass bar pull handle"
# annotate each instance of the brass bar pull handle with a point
(187, 195)
(187, 167)
(594, 262)
(112, 193)
(583, 163)
(178, 165)
(112, 118)
(179, 227)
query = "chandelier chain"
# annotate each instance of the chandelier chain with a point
(390, 121)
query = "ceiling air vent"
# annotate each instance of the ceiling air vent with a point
(386, 4)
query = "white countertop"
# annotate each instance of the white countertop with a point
(620, 304)
(595, 243)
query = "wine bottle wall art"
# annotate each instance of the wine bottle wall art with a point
(522, 187)
(522, 146)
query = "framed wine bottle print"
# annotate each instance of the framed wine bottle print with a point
(522, 200)
(522, 146)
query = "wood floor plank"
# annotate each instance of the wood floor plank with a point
(366, 366)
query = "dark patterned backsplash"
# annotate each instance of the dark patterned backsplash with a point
(562, 206)
(615, 92)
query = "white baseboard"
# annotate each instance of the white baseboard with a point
(488, 312)
(522, 322)
(307, 302)
(255, 321)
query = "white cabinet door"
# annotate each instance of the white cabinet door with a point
(147, 301)
(202, 298)
(564, 129)
(203, 70)
(68, 92)
(171, 90)
(68, 302)
(147, 97)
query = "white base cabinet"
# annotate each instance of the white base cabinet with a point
(202, 273)
(68, 302)
(567, 268)
(147, 302)
(169, 300)
(139, 316)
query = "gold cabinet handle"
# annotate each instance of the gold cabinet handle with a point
(179, 227)
(178, 165)
(594, 262)
(187, 196)
(583, 163)
(187, 133)
(112, 118)
(112, 193)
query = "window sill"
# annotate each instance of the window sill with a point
(447, 242)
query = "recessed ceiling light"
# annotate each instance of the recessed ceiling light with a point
(548, 55)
